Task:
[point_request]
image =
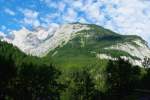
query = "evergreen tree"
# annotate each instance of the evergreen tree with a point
(36, 83)
(7, 73)
(122, 77)
(81, 86)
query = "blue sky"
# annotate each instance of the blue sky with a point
(122, 16)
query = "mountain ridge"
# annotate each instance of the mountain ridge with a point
(88, 39)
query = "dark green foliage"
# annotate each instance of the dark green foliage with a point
(145, 82)
(7, 73)
(109, 37)
(146, 62)
(36, 82)
(122, 78)
(25, 77)
(80, 86)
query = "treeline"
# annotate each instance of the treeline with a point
(29, 82)
(25, 77)
(28, 78)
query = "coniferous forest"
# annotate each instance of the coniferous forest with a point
(25, 77)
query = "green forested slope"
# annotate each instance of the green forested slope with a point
(82, 50)
(25, 77)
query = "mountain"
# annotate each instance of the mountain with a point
(79, 44)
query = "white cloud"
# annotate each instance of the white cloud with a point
(9, 11)
(70, 16)
(3, 27)
(2, 35)
(122, 16)
(50, 3)
(93, 11)
(30, 13)
(30, 17)
(77, 4)
(129, 17)
(47, 18)
(61, 6)
(82, 20)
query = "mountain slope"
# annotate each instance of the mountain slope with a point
(75, 44)
(99, 43)
(40, 41)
